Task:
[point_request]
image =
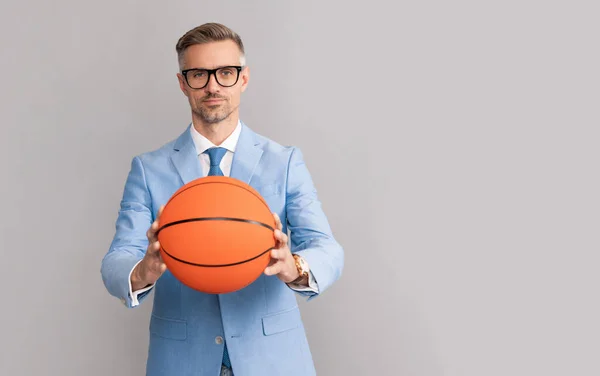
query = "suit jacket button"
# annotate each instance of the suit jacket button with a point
(219, 340)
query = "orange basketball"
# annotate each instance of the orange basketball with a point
(216, 234)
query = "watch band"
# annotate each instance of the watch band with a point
(302, 269)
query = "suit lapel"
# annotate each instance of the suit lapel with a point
(246, 156)
(185, 159)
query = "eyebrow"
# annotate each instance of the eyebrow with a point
(221, 66)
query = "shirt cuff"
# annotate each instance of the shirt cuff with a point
(135, 294)
(312, 285)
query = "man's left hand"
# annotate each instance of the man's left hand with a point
(282, 262)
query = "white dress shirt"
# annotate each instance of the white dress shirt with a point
(202, 144)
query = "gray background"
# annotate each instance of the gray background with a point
(454, 146)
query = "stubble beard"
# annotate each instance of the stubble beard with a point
(213, 114)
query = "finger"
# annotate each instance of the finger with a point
(273, 261)
(153, 248)
(281, 238)
(274, 269)
(278, 254)
(278, 235)
(156, 268)
(159, 267)
(277, 221)
(151, 233)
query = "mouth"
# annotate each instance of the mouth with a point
(213, 101)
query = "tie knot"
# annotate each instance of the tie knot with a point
(215, 155)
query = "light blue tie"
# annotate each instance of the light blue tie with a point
(216, 155)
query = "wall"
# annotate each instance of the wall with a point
(454, 147)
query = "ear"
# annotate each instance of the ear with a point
(182, 84)
(245, 77)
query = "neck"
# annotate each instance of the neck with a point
(216, 132)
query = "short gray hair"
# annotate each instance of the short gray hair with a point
(206, 33)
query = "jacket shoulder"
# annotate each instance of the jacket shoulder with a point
(273, 147)
(158, 154)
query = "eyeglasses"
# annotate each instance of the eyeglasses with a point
(225, 76)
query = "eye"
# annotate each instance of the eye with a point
(226, 72)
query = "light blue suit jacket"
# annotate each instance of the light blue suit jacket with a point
(261, 323)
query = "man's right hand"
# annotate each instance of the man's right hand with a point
(152, 266)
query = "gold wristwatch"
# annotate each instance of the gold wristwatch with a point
(302, 267)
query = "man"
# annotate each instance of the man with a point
(254, 331)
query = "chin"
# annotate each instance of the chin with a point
(214, 119)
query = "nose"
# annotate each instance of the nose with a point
(212, 86)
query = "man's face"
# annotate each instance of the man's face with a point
(213, 103)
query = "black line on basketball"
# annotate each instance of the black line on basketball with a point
(214, 219)
(215, 266)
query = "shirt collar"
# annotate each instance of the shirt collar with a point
(202, 143)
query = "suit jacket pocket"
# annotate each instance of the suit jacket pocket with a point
(168, 328)
(281, 321)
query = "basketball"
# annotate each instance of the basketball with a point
(216, 234)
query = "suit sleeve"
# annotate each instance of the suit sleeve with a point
(130, 242)
(310, 233)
